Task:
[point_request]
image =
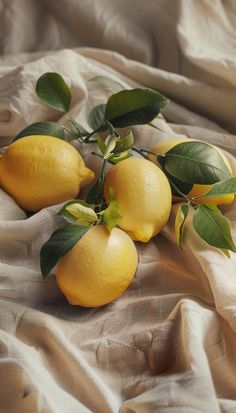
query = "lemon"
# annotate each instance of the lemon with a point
(197, 189)
(144, 196)
(39, 171)
(98, 268)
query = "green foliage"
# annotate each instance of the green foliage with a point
(179, 223)
(119, 157)
(65, 212)
(101, 144)
(95, 195)
(110, 146)
(114, 147)
(133, 107)
(222, 188)
(213, 227)
(96, 117)
(52, 89)
(124, 144)
(178, 188)
(111, 215)
(76, 129)
(85, 215)
(42, 128)
(196, 163)
(60, 242)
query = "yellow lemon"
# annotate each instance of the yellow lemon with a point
(38, 171)
(197, 189)
(144, 195)
(98, 268)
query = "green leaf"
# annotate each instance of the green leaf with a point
(85, 215)
(67, 215)
(95, 195)
(96, 117)
(111, 143)
(124, 144)
(226, 252)
(222, 188)
(134, 107)
(101, 144)
(76, 129)
(107, 82)
(107, 146)
(111, 215)
(176, 184)
(196, 163)
(60, 242)
(182, 186)
(213, 227)
(42, 128)
(52, 89)
(179, 224)
(119, 157)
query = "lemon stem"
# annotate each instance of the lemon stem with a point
(102, 177)
(97, 154)
(179, 191)
(112, 129)
(87, 139)
(138, 150)
(142, 152)
(188, 199)
(103, 166)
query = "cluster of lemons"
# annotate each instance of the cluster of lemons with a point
(39, 171)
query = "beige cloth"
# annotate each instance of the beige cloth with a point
(168, 345)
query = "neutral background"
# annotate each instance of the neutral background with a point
(168, 344)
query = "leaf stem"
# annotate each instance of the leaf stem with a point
(91, 141)
(189, 199)
(138, 150)
(103, 167)
(102, 177)
(86, 140)
(152, 153)
(97, 154)
(178, 190)
(70, 133)
(112, 129)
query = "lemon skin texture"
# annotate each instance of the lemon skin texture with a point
(197, 189)
(99, 268)
(39, 171)
(144, 196)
